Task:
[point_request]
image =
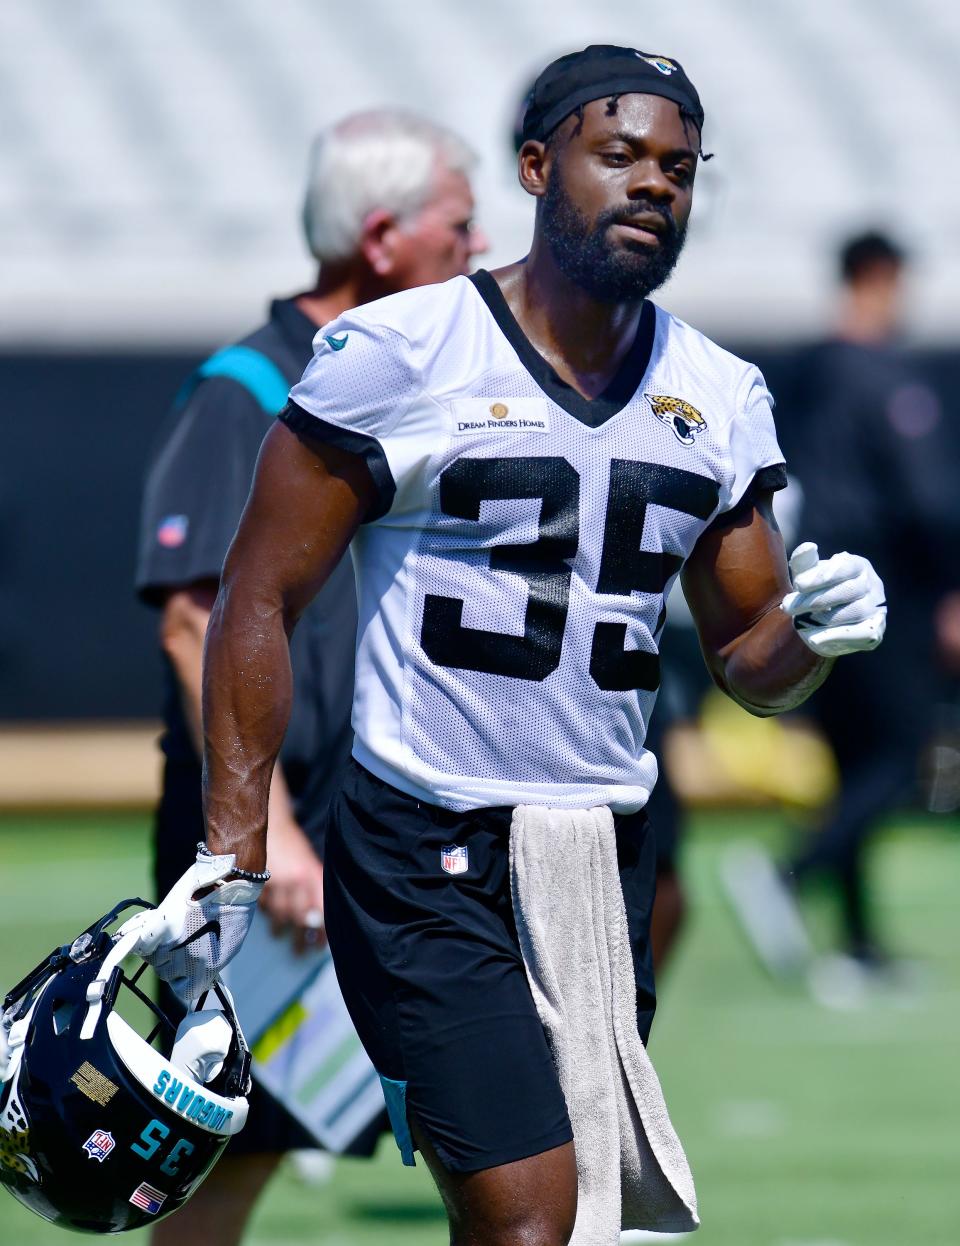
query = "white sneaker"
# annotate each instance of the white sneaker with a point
(313, 1167)
(846, 984)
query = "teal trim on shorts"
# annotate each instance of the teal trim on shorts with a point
(395, 1095)
(258, 375)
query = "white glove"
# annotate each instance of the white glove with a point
(838, 603)
(168, 935)
(201, 1044)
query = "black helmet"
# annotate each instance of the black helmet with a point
(100, 1130)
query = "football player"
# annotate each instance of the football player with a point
(388, 206)
(523, 460)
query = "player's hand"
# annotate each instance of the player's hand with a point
(838, 604)
(198, 927)
(293, 898)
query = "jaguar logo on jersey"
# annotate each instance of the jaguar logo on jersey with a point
(454, 860)
(485, 416)
(684, 421)
(99, 1145)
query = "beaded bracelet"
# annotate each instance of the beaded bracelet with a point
(249, 876)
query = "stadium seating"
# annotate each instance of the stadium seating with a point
(153, 153)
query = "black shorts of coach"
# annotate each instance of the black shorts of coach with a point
(431, 970)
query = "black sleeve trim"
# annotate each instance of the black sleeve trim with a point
(766, 480)
(155, 590)
(312, 430)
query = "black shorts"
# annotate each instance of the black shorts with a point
(432, 974)
(663, 808)
(270, 1129)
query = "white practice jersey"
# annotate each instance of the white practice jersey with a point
(511, 579)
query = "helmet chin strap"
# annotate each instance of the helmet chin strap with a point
(210, 1043)
(13, 1036)
(97, 986)
(17, 1008)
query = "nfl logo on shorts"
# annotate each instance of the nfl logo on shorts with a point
(454, 860)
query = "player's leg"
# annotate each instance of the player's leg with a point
(217, 1214)
(530, 1202)
(534, 1199)
(870, 788)
(669, 914)
(874, 728)
(670, 904)
(426, 950)
(666, 816)
(637, 863)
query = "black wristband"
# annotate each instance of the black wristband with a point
(248, 876)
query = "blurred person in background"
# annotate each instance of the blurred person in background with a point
(388, 206)
(878, 465)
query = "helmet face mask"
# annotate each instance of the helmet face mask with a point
(99, 1130)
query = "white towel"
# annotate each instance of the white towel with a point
(631, 1169)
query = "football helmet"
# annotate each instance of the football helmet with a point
(100, 1130)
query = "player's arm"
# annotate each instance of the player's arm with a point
(295, 890)
(183, 627)
(769, 642)
(304, 507)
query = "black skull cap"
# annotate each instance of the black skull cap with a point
(599, 71)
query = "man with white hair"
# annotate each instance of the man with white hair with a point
(388, 207)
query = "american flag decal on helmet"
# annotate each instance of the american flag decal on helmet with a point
(147, 1198)
(454, 860)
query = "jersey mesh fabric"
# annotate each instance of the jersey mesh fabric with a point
(506, 594)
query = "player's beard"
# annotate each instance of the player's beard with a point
(584, 254)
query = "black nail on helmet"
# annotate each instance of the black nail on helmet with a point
(100, 1130)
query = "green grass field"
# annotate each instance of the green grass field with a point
(804, 1127)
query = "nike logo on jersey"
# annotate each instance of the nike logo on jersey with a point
(685, 422)
(499, 416)
(337, 343)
